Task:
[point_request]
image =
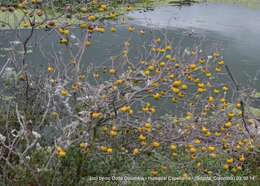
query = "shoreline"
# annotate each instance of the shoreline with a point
(148, 6)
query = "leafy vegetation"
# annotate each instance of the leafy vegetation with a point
(107, 119)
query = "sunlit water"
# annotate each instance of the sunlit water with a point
(236, 28)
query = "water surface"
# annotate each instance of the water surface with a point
(233, 29)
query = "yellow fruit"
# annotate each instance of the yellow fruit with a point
(231, 115)
(208, 134)
(96, 115)
(60, 152)
(228, 124)
(119, 82)
(173, 59)
(51, 69)
(193, 150)
(113, 29)
(113, 133)
(211, 149)
(39, 13)
(112, 71)
(151, 67)
(103, 149)
(216, 91)
(64, 93)
(173, 147)
(213, 155)
(109, 150)
(83, 9)
(203, 149)
(83, 25)
(225, 88)
(201, 61)
(203, 129)
(162, 64)
(64, 41)
(184, 87)
(221, 62)
(242, 158)
(142, 138)
(181, 95)
(157, 96)
(83, 145)
(103, 7)
(218, 69)
(168, 47)
(66, 32)
(193, 66)
(225, 167)
(136, 152)
(238, 105)
(125, 109)
(177, 65)
(201, 90)
(100, 29)
(229, 161)
(234, 170)
(201, 85)
(130, 113)
(25, 24)
(91, 18)
(113, 15)
(175, 90)
(208, 74)
(168, 57)
(87, 43)
(210, 99)
(197, 141)
(188, 116)
(142, 32)
(158, 40)
(156, 144)
(154, 173)
(131, 29)
(129, 8)
(217, 134)
(148, 125)
(176, 83)
(147, 72)
(216, 54)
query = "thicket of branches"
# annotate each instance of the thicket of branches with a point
(109, 118)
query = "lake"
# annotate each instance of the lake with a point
(233, 29)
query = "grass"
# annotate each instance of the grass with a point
(252, 4)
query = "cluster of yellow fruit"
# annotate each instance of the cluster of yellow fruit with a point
(107, 150)
(113, 132)
(126, 109)
(149, 109)
(36, 1)
(191, 86)
(96, 115)
(60, 152)
(64, 93)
